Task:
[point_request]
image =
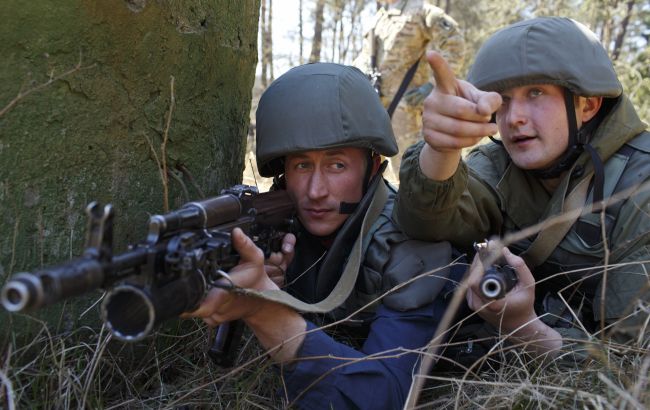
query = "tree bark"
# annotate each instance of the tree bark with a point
(301, 36)
(318, 32)
(268, 52)
(99, 98)
(263, 38)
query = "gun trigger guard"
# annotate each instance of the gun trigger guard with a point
(221, 274)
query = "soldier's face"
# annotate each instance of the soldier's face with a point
(533, 125)
(317, 182)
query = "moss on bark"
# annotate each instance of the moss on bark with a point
(91, 134)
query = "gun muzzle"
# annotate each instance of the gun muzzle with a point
(29, 291)
(498, 281)
(22, 292)
(131, 312)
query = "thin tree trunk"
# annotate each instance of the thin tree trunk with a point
(618, 44)
(269, 41)
(317, 41)
(264, 74)
(608, 25)
(301, 37)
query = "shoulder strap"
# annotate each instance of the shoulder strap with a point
(402, 87)
(349, 276)
(552, 234)
(549, 238)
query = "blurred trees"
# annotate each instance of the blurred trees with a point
(334, 29)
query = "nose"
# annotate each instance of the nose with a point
(317, 185)
(517, 113)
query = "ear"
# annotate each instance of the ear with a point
(589, 107)
(376, 162)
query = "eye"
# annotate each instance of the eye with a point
(535, 92)
(302, 165)
(337, 165)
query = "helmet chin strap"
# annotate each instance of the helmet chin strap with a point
(578, 142)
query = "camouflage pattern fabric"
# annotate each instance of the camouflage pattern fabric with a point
(403, 31)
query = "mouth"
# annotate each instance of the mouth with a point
(316, 212)
(521, 139)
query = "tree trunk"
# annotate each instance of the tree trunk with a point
(268, 52)
(301, 36)
(318, 32)
(263, 23)
(98, 98)
(618, 43)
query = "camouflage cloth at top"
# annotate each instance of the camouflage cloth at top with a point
(403, 32)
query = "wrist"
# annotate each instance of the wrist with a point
(439, 164)
(537, 337)
(279, 329)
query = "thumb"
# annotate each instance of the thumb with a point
(246, 248)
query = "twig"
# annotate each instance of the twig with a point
(603, 290)
(12, 262)
(253, 172)
(163, 147)
(9, 389)
(181, 183)
(22, 94)
(187, 174)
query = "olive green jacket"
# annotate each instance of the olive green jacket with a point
(489, 195)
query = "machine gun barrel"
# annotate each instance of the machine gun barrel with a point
(30, 291)
(185, 252)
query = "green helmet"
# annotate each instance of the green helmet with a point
(319, 106)
(545, 50)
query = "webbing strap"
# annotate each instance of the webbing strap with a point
(344, 286)
(402, 87)
(549, 237)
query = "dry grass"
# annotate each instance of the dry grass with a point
(83, 368)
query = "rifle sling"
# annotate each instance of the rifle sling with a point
(348, 278)
(402, 87)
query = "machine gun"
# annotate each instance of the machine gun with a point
(185, 253)
(499, 277)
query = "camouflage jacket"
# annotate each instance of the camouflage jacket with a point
(488, 196)
(402, 33)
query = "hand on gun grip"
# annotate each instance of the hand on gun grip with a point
(499, 277)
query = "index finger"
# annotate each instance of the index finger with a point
(442, 73)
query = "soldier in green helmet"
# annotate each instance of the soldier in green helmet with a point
(321, 132)
(569, 138)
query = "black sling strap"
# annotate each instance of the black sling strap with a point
(402, 87)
